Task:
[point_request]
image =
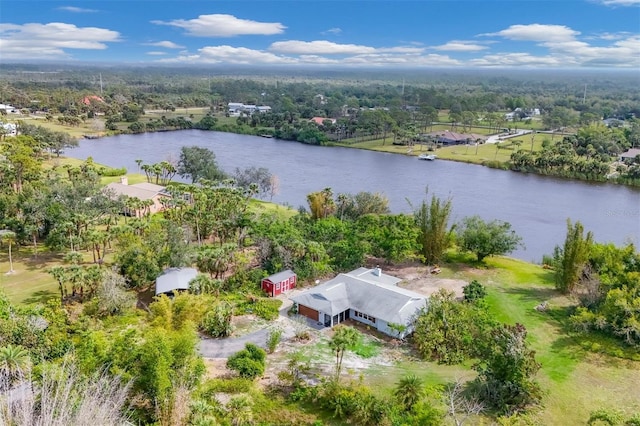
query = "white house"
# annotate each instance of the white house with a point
(364, 295)
(10, 129)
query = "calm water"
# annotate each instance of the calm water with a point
(537, 207)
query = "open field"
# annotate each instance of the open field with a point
(78, 132)
(465, 153)
(576, 379)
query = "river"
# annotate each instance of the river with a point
(536, 206)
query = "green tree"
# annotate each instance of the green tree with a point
(10, 238)
(447, 331)
(343, 338)
(409, 391)
(506, 370)
(487, 238)
(198, 163)
(249, 362)
(435, 235)
(474, 291)
(14, 361)
(569, 260)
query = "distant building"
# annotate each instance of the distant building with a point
(9, 109)
(10, 129)
(237, 108)
(364, 295)
(92, 98)
(629, 156)
(320, 120)
(446, 137)
(145, 191)
(279, 283)
(175, 279)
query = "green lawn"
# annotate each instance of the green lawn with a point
(75, 131)
(576, 379)
(30, 282)
(465, 153)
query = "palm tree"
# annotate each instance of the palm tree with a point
(14, 361)
(343, 338)
(409, 391)
(10, 237)
(239, 409)
(59, 273)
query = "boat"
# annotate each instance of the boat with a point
(429, 157)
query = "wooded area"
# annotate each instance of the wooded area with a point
(81, 317)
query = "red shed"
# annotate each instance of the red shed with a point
(279, 283)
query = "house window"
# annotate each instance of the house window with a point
(277, 286)
(365, 316)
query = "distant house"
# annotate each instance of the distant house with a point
(9, 109)
(92, 98)
(9, 129)
(279, 283)
(629, 156)
(237, 108)
(320, 120)
(364, 295)
(151, 193)
(446, 137)
(174, 279)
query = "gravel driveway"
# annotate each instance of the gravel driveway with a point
(223, 348)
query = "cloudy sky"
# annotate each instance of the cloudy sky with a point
(346, 33)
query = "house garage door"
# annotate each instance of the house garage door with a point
(308, 312)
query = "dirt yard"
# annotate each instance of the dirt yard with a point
(418, 278)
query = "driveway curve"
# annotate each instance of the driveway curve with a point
(224, 348)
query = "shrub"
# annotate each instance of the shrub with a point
(233, 385)
(273, 338)
(267, 308)
(474, 291)
(249, 362)
(217, 322)
(108, 171)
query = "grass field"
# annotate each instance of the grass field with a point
(576, 378)
(465, 153)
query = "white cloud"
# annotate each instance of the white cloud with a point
(76, 9)
(460, 46)
(519, 60)
(334, 31)
(166, 44)
(609, 36)
(567, 50)
(324, 47)
(318, 47)
(619, 2)
(50, 41)
(367, 56)
(219, 25)
(156, 53)
(536, 32)
(232, 55)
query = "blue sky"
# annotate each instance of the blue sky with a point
(328, 34)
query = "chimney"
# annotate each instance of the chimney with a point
(377, 272)
(124, 180)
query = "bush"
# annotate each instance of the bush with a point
(233, 385)
(109, 171)
(273, 338)
(217, 322)
(474, 291)
(267, 308)
(249, 362)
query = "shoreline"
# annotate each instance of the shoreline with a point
(494, 164)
